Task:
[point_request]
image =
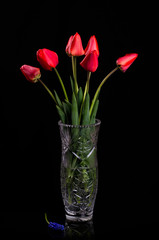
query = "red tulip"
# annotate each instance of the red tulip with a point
(74, 46)
(68, 45)
(90, 62)
(92, 45)
(125, 61)
(47, 58)
(32, 74)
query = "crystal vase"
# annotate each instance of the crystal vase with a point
(79, 169)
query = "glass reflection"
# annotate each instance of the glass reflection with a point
(79, 230)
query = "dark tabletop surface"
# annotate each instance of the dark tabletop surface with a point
(32, 224)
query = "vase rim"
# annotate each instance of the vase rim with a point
(97, 123)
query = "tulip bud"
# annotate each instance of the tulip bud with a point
(90, 62)
(74, 46)
(47, 58)
(125, 62)
(32, 74)
(92, 45)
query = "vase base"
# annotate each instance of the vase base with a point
(74, 218)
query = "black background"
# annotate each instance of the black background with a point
(30, 141)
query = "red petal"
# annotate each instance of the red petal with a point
(51, 57)
(47, 58)
(125, 62)
(92, 45)
(76, 48)
(31, 73)
(90, 62)
(68, 45)
(41, 59)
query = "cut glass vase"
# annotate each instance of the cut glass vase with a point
(79, 170)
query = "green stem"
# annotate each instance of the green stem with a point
(87, 85)
(99, 88)
(46, 219)
(84, 95)
(88, 80)
(74, 69)
(48, 90)
(62, 85)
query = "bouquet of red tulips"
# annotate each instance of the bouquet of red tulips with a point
(79, 110)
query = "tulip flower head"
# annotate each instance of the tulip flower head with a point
(92, 45)
(32, 74)
(47, 58)
(78, 108)
(125, 62)
(90, 62)
(74, 46)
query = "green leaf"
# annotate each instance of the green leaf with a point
(74, 113)
(93, 102)
(67, 110)
(79, 97)
(72, 83)
(69, 104)
(61, 114)
(94, 112)
(58, 100)
(85, 114)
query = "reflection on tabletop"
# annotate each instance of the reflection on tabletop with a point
(74, 230)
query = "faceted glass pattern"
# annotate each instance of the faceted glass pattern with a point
(79, 170)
